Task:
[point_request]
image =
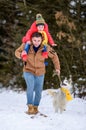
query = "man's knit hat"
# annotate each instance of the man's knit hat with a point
(39, 20)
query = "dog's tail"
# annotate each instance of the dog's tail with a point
(50, 92)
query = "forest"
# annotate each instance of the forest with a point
(66, 20)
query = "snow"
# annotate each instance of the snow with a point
(13, 116)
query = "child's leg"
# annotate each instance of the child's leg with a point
(44, 52)
(44, 48)
(27, 47)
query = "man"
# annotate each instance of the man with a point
(34, 70)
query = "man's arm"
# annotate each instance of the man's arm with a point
(18, 51)
(53, 55)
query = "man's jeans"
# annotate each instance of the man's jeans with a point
(34, 88)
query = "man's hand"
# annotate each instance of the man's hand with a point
(58, 72)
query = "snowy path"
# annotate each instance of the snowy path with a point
(13, 106)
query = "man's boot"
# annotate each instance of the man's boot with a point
(30, 109)
(36, 109)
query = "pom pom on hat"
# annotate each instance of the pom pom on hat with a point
(39, 20)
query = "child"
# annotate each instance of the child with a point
(40, 26)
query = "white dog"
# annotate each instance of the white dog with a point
(62, 96)
(59, 100)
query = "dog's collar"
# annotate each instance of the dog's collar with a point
(67, 93)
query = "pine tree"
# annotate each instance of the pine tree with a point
(67, 25)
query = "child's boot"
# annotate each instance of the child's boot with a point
(24, 55)
(45, 54)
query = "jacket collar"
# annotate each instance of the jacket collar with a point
(40, 48)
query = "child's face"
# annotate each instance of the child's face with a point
(36, 41)
(40, 27)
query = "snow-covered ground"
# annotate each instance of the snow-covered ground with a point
(13, 117)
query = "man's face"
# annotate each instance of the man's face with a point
(40, 27)
(36, 41)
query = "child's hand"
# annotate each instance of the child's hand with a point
(28, 42)
(54, 44)
(24, 55)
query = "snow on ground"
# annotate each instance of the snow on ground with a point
(13, 107)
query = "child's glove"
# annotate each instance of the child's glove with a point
(24, 55)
